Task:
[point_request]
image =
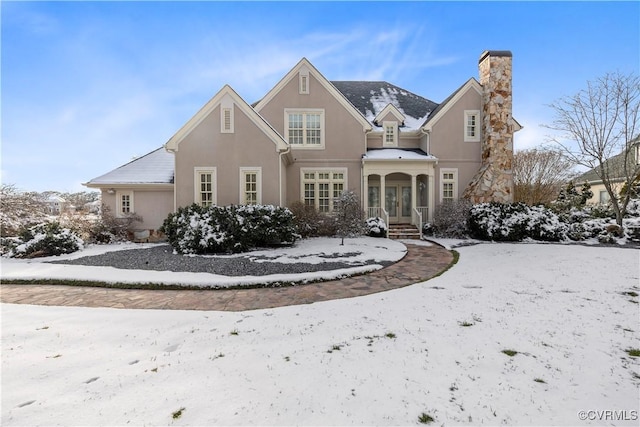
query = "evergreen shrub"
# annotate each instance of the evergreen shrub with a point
(376, 227)
(45, 239)
(513, 222)
(215, 229)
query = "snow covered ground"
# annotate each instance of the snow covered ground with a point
(355, 251)
(434, 348)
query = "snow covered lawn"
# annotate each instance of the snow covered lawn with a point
(435, 348)
(354, 252)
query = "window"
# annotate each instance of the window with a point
(251, 186)
(472, 125)
(305, 129)
(124, 203)
(448, 184)
(322, 188)
(205, 186)
(390, 133)
(604, 197)
(226, 119)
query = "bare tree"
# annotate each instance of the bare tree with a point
(19, 209)
(598, 123)
(539, 174)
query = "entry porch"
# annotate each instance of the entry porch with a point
(400, 190)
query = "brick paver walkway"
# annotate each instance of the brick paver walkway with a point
(420, 263)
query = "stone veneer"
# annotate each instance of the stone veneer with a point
(494, 180)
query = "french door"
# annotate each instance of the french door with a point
(397, 201)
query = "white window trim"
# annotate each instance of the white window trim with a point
(303, 82)
(243, 172)
(196, 184)
(119, 195)
(345, 183)
(305, 146)
(386, 124)
(455, 182)
(467, 114)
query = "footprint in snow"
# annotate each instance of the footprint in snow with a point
(172, 348)
(90, 380)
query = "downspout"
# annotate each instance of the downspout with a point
(287, 151)
(175, 197)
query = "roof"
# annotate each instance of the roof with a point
(370, 98)
(156, 167)
(614, 165)
(397, 153)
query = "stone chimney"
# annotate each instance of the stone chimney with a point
(494, 180)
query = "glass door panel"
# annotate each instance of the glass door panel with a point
(406, 201)
(391, 201)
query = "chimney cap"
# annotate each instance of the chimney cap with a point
(495, 53)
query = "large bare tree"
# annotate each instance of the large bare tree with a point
(539, 174)
(599, 123)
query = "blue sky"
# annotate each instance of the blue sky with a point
(86, 86)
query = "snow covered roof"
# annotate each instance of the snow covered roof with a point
(370, 98)
(397, 153)
(55, 198)
(156, 167)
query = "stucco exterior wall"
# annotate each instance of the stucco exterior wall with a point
(152, 205)
(448, 144)
(344, 140)
(207, 147)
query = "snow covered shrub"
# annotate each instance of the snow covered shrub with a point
(264, 225)
(306, 219)
(376, 227)
(199, 230)
(633, 208)
(46, 240)
(514, 222)
(451, 219)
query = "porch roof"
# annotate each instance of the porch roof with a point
(397, 154)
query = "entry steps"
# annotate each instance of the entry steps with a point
(404, 231)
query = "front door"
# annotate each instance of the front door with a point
(398, 203)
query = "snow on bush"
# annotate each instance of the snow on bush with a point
(450, 219)
(44, 240)
(515, 222)
(200, 230)
(376, 227)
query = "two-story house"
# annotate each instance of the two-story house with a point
(309, 139)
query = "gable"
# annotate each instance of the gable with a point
(226, 98)
(389, 112)
(304, 69)
(470, 85)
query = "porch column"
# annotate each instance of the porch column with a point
(414, 193)
(365, 193)
(383, 202)
(432, 196)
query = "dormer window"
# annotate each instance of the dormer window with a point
(390, 134)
